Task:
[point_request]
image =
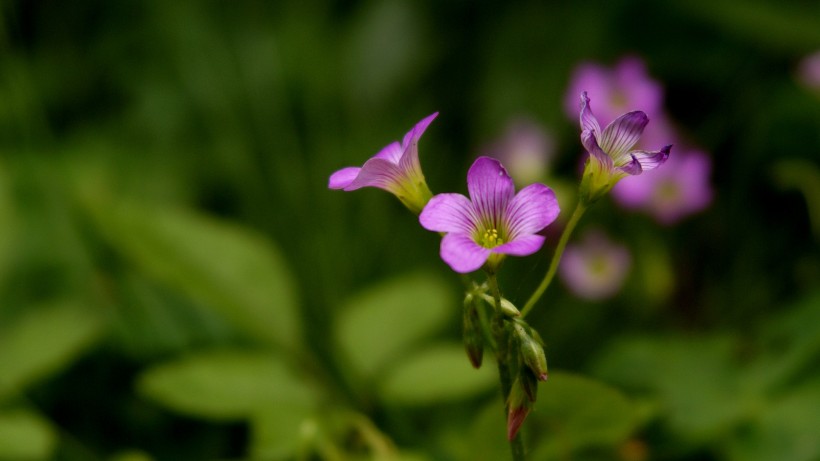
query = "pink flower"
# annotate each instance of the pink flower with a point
(595, 268)
(395, 169)
(493, 222)
(618, 90)
(525, 149)
(670, 194)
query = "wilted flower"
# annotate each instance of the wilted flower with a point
(616, 90)
(525, 149)
(595, 268)
(610, 158)
(395, 169)
(493, 222)
(674, 192)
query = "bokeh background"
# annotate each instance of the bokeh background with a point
(178, 283)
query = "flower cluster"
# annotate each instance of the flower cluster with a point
(493, 221)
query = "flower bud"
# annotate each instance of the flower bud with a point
(532, 352)
(507, 308)
(471, 329)
(518, 407)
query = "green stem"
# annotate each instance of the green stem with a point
(502, 359)
(556, 258)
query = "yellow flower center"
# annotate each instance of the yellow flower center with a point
(490, 239)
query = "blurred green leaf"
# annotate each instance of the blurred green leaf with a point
(226, 384)
(695, 380)
(574, 412)
(439, 373)
(227, 267)
(486, 439)
(25, 436)
(44, 340)
(787, 429)
(385, 50)
(791, 344)
(781, 26)
(7, 222)
(382, 322)
(279, 432)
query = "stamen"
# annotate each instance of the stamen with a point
(490, 239)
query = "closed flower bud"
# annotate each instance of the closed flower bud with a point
(529, 383)
(532, 352)
(518, 407)
(507, 308)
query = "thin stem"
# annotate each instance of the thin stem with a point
(502, 359)
(556, 258)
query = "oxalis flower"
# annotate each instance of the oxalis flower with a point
(395, 169)
(610, 158)
(493, 222)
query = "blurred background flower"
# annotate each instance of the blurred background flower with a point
(595, 267)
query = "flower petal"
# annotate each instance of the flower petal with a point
(343, 177)
(392, 153)
(448, 213)
(588, 120)
(412, 136)
(620, 135)
(633, 167)
(462, 254)
(378, 172)
(524, 245)
(591, 145)
(410, 149)
(652, 159)
(491, 189)
(532, 209)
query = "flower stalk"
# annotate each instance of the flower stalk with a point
(504, 360)
(580, 209)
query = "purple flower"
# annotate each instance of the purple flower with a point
(493, 222)
(526, 149)
(595, 268)
(395, 169)
(615, 90)
(610, 158)
(678, 190)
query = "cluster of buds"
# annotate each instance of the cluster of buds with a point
(523, 354)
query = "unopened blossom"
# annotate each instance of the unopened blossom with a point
(395, 169)
(595, 268)
(678, 190)
(616, 90)
(493, 222)
(525, 149)
(610, 155)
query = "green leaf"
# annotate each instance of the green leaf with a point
(574, 412)
(25, 436)
(44, 340)
(437, 374)
(792, 345)
(278, 433)
(8, 222)
(383, 322)
(226, 384)
(784, 430)
(231, 269)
